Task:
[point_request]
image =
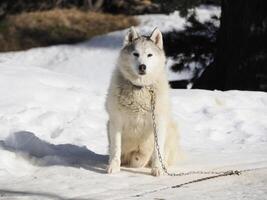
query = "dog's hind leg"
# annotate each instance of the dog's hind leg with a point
(139, 159)
(142, 155)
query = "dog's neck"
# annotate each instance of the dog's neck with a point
(138, 87)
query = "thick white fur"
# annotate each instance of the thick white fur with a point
(130, 130)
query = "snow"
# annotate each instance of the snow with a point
(205, 13)
(53, 142)
(165, 23)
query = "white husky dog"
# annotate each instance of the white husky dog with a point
(141, 64)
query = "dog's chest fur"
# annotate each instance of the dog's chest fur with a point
(133, 99)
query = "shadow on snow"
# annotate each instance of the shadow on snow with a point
(43, 153)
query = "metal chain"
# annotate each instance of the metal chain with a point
(156, 143)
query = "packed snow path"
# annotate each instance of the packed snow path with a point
(53, 142)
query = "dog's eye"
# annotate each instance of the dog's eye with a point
(136, 54)
(149, 55)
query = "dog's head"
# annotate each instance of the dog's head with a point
(142, 58)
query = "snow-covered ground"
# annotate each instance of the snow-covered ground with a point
(53, 142)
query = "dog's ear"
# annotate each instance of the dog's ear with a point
(131, 36)
(156, 37)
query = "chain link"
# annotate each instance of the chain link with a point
(156, 143)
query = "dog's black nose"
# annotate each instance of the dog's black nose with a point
(142, 69)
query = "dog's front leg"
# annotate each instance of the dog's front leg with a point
(114, 131)
(161, 136)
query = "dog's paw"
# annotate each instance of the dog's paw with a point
(156, 171)
(113, 167)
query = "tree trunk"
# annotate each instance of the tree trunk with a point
(241, 57)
